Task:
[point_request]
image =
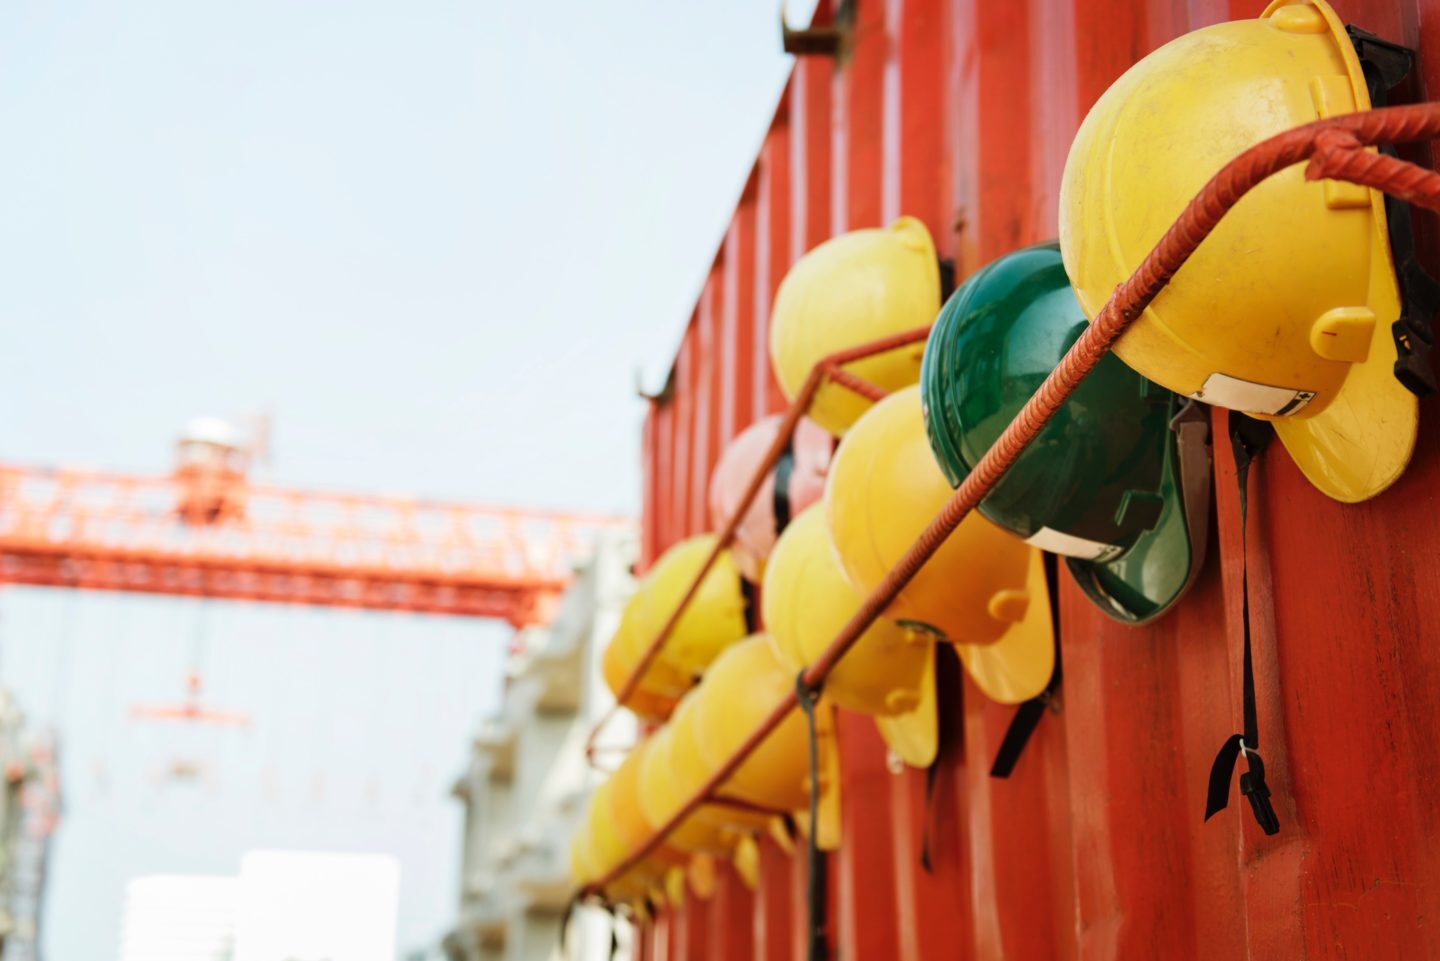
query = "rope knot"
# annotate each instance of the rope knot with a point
(1334, 150)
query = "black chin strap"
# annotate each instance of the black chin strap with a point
(1248, 438)
(780, 496)
(569, 914)
(780, 504)
(816, 887)
(932, 774)
(1028, 714)
(949, 696)
(749, 591)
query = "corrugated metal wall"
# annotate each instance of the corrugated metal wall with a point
(961, 112)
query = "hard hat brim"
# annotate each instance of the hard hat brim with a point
(1148, 579)
(1362, 441)
(915, 735)
(1018, 666)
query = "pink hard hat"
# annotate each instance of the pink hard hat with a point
(801, 473)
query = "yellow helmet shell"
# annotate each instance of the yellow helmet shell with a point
(850, 290)
(606, 849)
(741, 689)
(888, 673)
(691, 768)
(662, 794)
(982, 587)
(627, 812)
(659, 688)
(884, 489)
(1285, 310)
(715, 617)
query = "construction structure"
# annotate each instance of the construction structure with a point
(209, 529)
(29, 815)
(527, 779)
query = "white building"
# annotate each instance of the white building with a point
(283, 906)
(179, 918)
(528, 781)
(312, 906)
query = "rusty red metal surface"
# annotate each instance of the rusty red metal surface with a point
(961, 112)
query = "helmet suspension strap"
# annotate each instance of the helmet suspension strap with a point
(1248, 438)
(816, 888)
(1028, 714)
(1386, 65)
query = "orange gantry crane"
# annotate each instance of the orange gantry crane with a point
(207, 530)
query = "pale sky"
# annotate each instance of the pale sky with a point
(436, 239)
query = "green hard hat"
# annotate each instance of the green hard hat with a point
(1118, 480)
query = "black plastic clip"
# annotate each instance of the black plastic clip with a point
(1385, 64)
(1253, 786)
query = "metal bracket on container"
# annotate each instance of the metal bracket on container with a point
(659, 397)
(821, 41)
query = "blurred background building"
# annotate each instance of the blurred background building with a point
(527, 779)
(282, 906)
(179, 917)
(29, 814)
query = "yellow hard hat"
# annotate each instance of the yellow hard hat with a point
(984, 589)
(662, 795)
(741, 689)
(1285, 311)
(850, 290)
(889, 673)
(658, 690)
(691, 769)
(715, 617)
(607, 849)
(627, 812)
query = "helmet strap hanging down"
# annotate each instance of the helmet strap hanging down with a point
(780, 496)
(1387, 65)
(1028, 714)
(780, 505)
(817, 896)
(749, 591)
(1191, 426)
(947, 278)
(1248, 438)
(950, 692)
(566, 917)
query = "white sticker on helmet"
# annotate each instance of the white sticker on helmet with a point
(1246, 396)
(1058, 542)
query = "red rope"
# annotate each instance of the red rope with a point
(828, 367)
(839, 375)
(1340, 156)
(1336, 146)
